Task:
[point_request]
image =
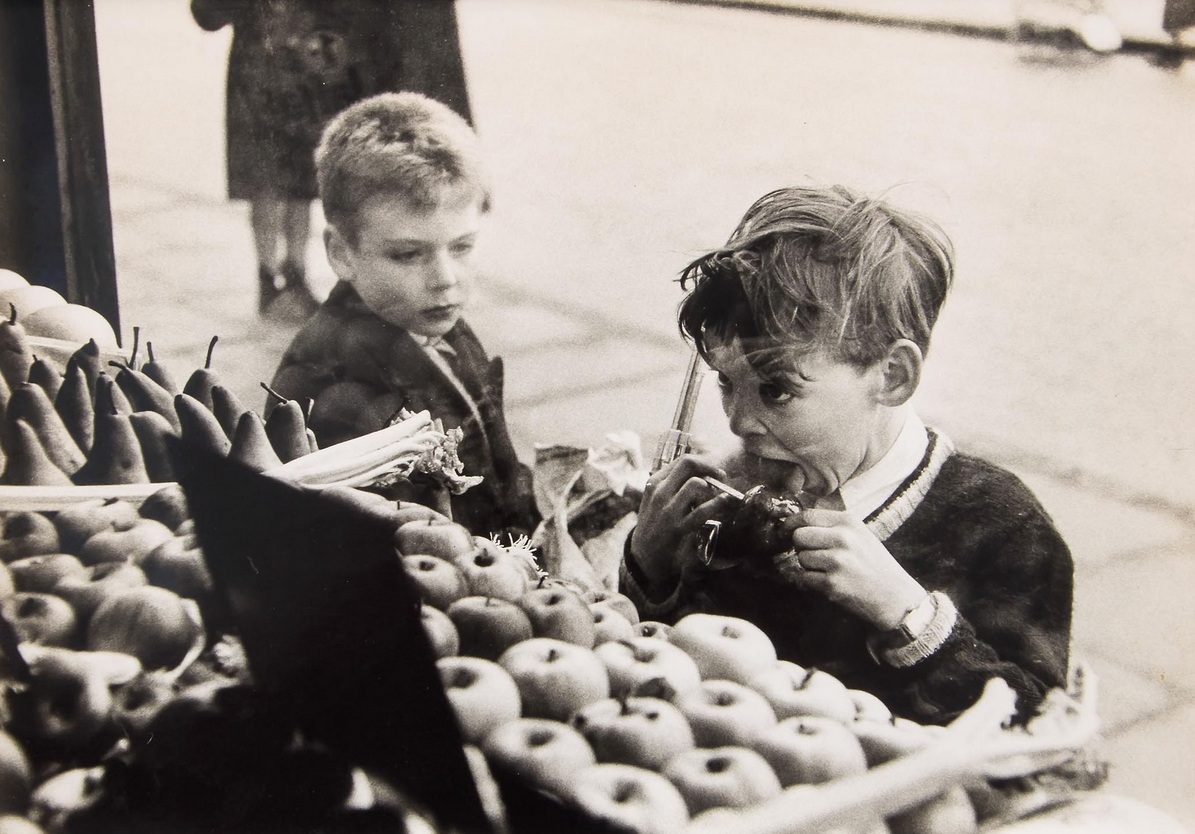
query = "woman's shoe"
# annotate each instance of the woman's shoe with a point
(293, 301)
(268, 287)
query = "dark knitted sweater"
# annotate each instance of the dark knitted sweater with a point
(958, 525)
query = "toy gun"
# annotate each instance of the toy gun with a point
(763, 520)
(675, 441)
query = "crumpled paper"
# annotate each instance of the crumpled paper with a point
(573, 486)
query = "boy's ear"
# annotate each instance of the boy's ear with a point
(340, 253)
(901, 373)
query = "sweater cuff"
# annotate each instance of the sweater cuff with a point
(922, 645)
(655, 593)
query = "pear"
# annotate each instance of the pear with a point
(199, 383)
(199, 424)
(109, 397)
(158, 372)
(286, 426)
(30, 403)
(75, 406)
(87, 359)
(15, 354)
(227, 408)
(116, 455)
(43, 373)
(146, 395)
(152, 429)
(251, 445)
(27, 463)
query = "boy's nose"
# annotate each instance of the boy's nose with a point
(742, 418)
(441, 272)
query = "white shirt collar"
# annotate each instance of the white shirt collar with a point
(867, 491)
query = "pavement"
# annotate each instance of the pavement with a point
(589, 341)
(1138, 21)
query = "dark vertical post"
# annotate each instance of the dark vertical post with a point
(74, 82)
(30, 207)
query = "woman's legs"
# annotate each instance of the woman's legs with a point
(281, 228)
(266, 217)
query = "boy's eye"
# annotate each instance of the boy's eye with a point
(462, 247)
(405, 256)
(774, 394)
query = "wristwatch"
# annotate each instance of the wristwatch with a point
(921, 632)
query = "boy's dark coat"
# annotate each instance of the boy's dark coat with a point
(359, 370)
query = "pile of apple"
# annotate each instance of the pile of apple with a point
(648, 725)
(104, 602)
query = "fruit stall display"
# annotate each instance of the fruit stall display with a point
(129, 700)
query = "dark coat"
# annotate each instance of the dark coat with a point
(294, 64)
(360, 370)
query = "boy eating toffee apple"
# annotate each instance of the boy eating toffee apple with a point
(916, 572)
(405, 193)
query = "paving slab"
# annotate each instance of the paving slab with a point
(1151, 761)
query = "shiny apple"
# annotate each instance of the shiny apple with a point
(64, 795)
(43, 619)
(27, 533)
(619, 602)
(868, 706)
(66, 704)
(137, 702)
(434, 537)
(168, 505)
(645, 732)
(725, 713)
(653, 628)
(792, 690)
(439, 581)
(559, 613)
(42, 573)
(633, 799)
(608, 624)
(493, 573)
(482, 694)
(101, 581)
(130, 544)
(648, 666)
(548, 754)
(178, 565)
(811, 749)
(725, 648)
(440, 631)
(78, 522)
(722, 777)
(555, 678)
(155, 625)
(487, 627)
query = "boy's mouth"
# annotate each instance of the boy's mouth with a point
(442, 312)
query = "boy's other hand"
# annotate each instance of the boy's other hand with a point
(676, 503)
(836, 555)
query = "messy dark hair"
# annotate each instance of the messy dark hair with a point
(811, 269)
(403, 144)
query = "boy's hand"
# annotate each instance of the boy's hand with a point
(836, 555)
(676, 503)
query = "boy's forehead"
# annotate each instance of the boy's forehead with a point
(391, 214)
